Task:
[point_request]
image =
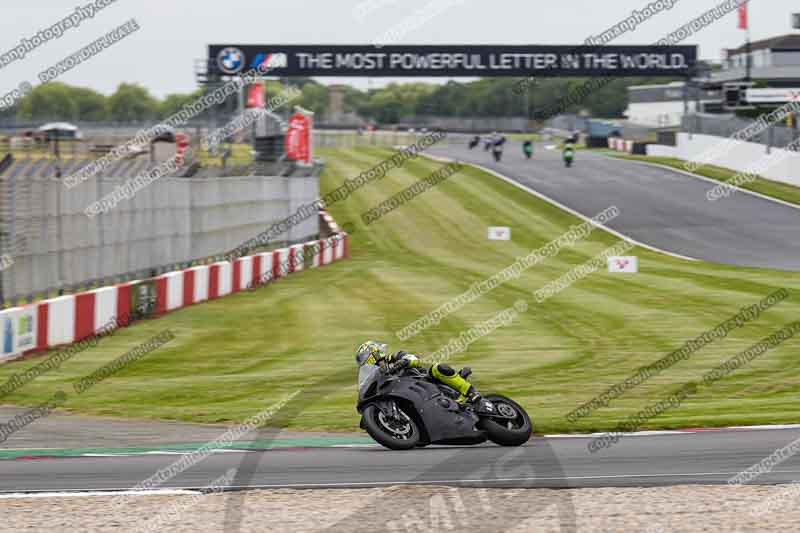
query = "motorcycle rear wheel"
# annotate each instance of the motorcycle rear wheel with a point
(510, 432)
(394, 435)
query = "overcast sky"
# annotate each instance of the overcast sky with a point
(174, 33)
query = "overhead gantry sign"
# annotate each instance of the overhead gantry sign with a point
(453, 60)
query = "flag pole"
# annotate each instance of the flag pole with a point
(744, 23)
(749, 56)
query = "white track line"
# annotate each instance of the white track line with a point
(498, 480)
(95, 493)
(562, 206)
(715, 182)
(774, 426)
(603, 434)
(688, 431)
(104, 455)
(646, 433)
(64, 493)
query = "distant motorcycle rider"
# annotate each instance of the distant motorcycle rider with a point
(373, 352)
(488, 142)
(527, 148)
(568, 153)
(497, 149)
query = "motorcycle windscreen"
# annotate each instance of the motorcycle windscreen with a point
(367, 375)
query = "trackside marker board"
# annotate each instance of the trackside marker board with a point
(499, 233)
(452, 60)
(627, 264)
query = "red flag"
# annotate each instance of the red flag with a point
(255, 95)
(181, 144)
(743, 17)
(298, 138)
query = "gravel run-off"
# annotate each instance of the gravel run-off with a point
(420, 508)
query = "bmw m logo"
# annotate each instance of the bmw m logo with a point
(266, 60)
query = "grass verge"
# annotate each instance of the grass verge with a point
(236, 356)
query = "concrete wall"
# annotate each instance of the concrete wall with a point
(55, 244)
(778, 165)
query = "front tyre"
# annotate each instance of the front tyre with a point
(395, 434)
(507, 432)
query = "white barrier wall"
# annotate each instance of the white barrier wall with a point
(297, 257)
(174, 290)
(246, 272)
(266, 265)
(225, 278)
(779, 165)
(62, 330)
(105, 306)
(200, 283)
(659, 150)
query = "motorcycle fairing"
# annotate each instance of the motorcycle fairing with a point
(443, 418)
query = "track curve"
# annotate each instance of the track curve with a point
(659, 207)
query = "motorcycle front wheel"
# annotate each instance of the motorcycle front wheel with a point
(509, 431)
(395, 434)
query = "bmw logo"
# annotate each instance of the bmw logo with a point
(230, 60)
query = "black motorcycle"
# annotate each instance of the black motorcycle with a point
(407, 408)
(474, 142)
(497, 148)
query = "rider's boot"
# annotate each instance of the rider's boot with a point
(449, 377)
(472, 396)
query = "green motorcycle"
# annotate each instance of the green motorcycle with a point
(527, 149)
(569, 155)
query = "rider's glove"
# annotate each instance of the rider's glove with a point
(402, 363)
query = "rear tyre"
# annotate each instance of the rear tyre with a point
(507, 432)
(400, 434)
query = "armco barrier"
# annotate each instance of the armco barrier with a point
(71, 318)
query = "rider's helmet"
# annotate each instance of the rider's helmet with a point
(371, 353)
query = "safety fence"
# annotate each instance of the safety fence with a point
(72, 318)
(770, 135)
(171, 223)
(353, 138)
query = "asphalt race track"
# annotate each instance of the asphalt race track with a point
(704, 457)
(659, 207)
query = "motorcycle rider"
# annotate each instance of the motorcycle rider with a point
(527, 148)
(373, 352)
(568, 153)
(488, 142)
(497, 149)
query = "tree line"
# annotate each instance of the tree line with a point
(498, 97)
